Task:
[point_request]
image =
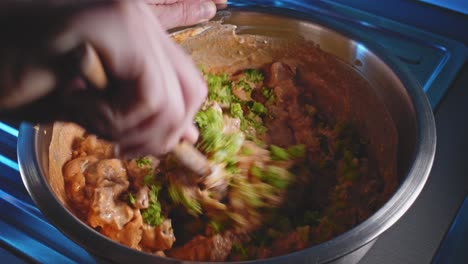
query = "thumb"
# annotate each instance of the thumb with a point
(184, 13)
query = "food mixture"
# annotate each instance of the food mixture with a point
(290, 176)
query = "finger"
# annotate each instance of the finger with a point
(184, 13)
(126, 37)
(191, 134)
(193, 86)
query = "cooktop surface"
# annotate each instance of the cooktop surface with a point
(429, 231)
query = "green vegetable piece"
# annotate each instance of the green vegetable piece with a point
(311, 218)
(244, 86)
(131, 199)
(219, 88)
(258, 109)
(256, 172)
(141, 162)
(254, 75)
(267, 92)
(236, 111)
(296, 151)
(278, 153)
(246, 151)
(149, 179)
(277, 177)
(352, 175)
(283, 224)
(178, 197)
(210, 118)
(152, 214)
(217, 227)
(241, 251)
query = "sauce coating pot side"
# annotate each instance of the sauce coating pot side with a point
(399, 93)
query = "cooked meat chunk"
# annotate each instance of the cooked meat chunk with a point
(158, 238)
(200, 248)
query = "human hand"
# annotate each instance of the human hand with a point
(176, 13)
(155, 89)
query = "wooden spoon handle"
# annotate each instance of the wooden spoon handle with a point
(93, 71)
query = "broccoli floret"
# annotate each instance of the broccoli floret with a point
(258, 109)
(240, 251)
(178, 197)
(219, 88)
(278, 153)
(210, 118)
(141, 162)
(152, 214)
(254, 76)
(296, 151)
(236, 111)
(131, 199)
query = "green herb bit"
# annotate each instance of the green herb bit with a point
(244, 86)
(267, 92)
(141, 162)
(177, 195)
(278, 153)
(241, 251)
(254, 75)
(131, 199)
(236, 111)
(258, 109)
(311, 218)
(219, 88)
(277, 177)
(216, 226)
(256, 172)
(296, 151)
(149, 179)
(246, 151)
(152, 214)
(210, 118)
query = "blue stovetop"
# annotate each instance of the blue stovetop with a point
(435, 59)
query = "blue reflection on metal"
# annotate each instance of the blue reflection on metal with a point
(8, 162)
(10, 130)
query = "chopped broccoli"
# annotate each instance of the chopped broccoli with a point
(296, 151)
(178, 197)
(258, 109)
(210, 118)
(267, 92)
(278, 153)
(236, 111)
(216, 226)
(350, 170)
(219, 88)
(141, 162)
(254, 75)
(277, 177)
(152, 214)
(131, 199)
(311, 218)
(244, 86)
(240, 251)
(149, 179)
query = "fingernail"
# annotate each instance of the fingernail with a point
(207, 10)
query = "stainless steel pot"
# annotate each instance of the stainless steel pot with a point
(394, 85)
